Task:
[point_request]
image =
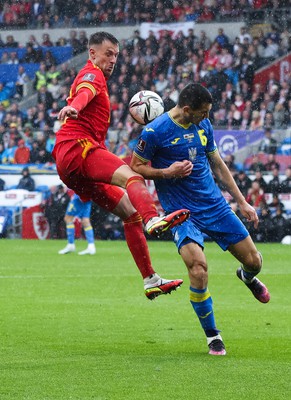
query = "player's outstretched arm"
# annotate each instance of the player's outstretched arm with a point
(83, 97)
(224, 176)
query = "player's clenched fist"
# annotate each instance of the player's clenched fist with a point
(66, 112)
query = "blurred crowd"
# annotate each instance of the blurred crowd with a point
(43, 14)
(164, 64)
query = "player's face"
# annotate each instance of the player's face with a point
(198, 115)
(104, 55)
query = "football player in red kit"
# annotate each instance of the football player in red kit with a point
(86, 166)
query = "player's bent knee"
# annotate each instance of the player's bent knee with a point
(198, 274)
(254, 262)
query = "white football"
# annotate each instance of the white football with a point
(145, 106)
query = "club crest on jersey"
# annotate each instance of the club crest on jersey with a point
(89, 77)
(141, 145)
(192, 153)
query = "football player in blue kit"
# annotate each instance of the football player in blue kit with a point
(78, 208)
(184, 157)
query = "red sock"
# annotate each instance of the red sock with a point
(137, 244)
(140, 198)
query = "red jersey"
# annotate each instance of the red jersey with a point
(93, 121)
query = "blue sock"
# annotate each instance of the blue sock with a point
(89, 233)
(70, 233)
(202, 304)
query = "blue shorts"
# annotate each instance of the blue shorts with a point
(224, 231)
(78, 208)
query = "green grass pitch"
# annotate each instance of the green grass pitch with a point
(81, 328)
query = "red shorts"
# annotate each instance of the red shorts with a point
(87, 168)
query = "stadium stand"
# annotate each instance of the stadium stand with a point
(245, 72)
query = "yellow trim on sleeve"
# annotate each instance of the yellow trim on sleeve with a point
(86, 85)
(140, 158)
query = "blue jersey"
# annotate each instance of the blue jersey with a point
(163, 142)
(78, 208)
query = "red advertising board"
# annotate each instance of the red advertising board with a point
(281, 69)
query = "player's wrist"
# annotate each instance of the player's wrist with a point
(164, 176)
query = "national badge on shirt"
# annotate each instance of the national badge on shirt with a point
(89, 77)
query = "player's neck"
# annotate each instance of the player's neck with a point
(177, 116)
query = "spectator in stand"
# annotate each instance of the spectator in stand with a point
(5, 57)
(75, 43)
(274, 186)
(49, 60)
(46, 40)
(271, 163)
(222, 39)
(268, 145)
(52, 73)
(276, 202)
(53, 112)
(21, 80)
(225, 58)
(243, 182)
(2, 44)
(32, 41)
(28, 135)
(264, 231)
(22, 153)
(2, 182)
(271, 82)
(255, 196)
(26, 182)
(260, 179)
(32, 55)
(10, 41)
(268, 119)
(286, 183)
(256, 122)
(50, 141)
(244, 34)
(2, 149)
(161, 84)
(245, 121)
(54, 87)
(280, 225)
(13, 58)
(2, 115)
(39, 155)
(14, 132)
(83, 39)
(9, 152)
(40, 120)
(246, 71)
(55, 210)
(45, 97)
(40, 77)
(122, 149)
(279, 116)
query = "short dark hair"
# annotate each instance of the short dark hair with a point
(100, 37)
(194, 95)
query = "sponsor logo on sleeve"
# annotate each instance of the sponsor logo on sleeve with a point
(141, 145)
(89, 77)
